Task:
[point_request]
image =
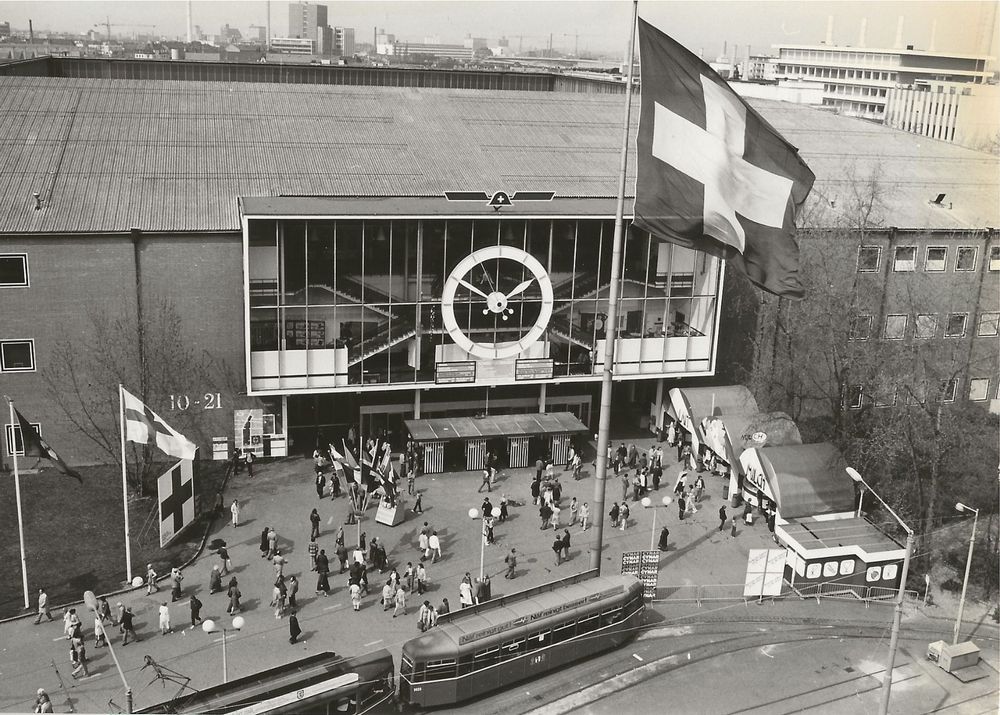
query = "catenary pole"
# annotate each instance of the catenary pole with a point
(121, 425)
(17, 492)
(611, 326)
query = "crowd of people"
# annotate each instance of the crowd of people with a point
(640, 472)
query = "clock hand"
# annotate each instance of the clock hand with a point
(520, 288)
(472, 288)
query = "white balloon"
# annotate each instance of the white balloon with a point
(473, 513)
(208, 626)
(239, 622)
(495, 513)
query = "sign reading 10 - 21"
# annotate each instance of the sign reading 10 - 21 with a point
(208, 401)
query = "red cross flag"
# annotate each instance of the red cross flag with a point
(712, 174)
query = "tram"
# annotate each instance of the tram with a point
(500, 642)
(322, 684)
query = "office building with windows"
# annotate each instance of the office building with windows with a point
(304, 19)
(857, 80)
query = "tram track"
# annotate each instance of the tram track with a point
(614, 673)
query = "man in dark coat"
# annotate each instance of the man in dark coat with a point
(293, 628)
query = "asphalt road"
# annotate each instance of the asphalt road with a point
(750, 667)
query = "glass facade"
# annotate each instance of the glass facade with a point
(343, 302)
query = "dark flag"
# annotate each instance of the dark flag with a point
(712, 174)
(35, 446)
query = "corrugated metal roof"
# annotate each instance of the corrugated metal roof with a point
(109, 155)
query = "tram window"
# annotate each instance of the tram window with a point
(438, 669)
(588, 624)
(465, 665)
(612, 616)
(563, 633)
(539, 640)
(405, 666)
(511, 649)
(485, 658)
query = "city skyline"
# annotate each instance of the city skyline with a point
(706, 27)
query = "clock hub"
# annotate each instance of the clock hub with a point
(497, 302)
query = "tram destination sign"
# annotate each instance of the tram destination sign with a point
(450, 373)
(534, 369)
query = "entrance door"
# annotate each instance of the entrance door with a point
(519, 452)
(475, 454)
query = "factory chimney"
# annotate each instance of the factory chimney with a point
(863, 32)
(829, 30)
(898, 44)
(189, 33)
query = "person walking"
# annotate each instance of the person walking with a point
(234, 597)
(104, 611)
(323, 569)
(623, 516)
(424, 543)
(699, 489)
(176, 577)
(100, 637)
(151, 575)
(278, 592)
(388, 596)
(320, 483)
(249, 459)
(341, 554)
(195, 611)
(165, 619)
(747, 514)
(626, 483)
(503, 508)
(565, 545)
(536, 488)
(545, 513)
(574, 508)
(272, 543)
(234, 511)
(400, 601)
(613, 514)
(279, 562)
(294, 631)
(421, 578)
(732, 531)
(313, 549)
(584, 516)
(43, 606)
(722, 517)
(681, 506)
(418, 504)
(434, 544)
(78, 658)
(511, 560)
(465, 595)
(43, 704)
(126, 624)
(263, 541)
(314, 520)
(356, 596)
(292, 592)
(486, 481)
(664, 536)
(557, 548)
(214, 580)
(226, 562)
(424, 616)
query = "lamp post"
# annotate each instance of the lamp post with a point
(898, 613)
(209, 626)
(968, 564)
(474, 514)
(91, 601)
(648, 503)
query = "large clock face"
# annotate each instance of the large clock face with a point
(501, 293)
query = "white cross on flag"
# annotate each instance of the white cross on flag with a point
(712, 174)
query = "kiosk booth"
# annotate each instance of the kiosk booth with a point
(462, 442)
(829, 547)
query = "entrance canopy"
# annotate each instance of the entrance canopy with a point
(805, 480)
(531, 425)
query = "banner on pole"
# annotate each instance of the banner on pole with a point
(175, 496)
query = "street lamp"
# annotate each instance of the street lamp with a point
(474, 514)
(209, 626)
(968, 564)
(647, 503)
(898, 615)
(91, 601)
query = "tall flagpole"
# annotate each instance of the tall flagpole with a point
(611, 328)
(128, 544)
(17, 492)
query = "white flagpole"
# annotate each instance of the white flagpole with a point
(128, 544)
(611, 332)
(17, 491)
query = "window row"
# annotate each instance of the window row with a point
(859, 395)
(904, 258)
(14, 270)
(925, 326)
(17, 355)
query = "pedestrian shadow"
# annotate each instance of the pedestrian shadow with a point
(677, 553)
(243, 522)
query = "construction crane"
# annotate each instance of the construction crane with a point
(107, 24)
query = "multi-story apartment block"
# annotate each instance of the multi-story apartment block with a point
(304, 19)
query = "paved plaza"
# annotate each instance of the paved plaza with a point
(281, 495)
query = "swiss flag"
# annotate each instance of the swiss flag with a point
(712, 174)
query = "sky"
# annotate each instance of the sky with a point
(598, 26)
